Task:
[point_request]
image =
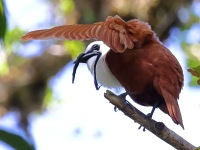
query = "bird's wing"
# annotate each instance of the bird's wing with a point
(170, 94)
(114, 32)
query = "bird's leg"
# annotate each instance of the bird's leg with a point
(123, 98)
(149, 115)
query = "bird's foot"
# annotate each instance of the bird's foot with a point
(149, 115)
(123, 98)
(144, 129)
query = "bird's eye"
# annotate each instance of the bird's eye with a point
(95, 47)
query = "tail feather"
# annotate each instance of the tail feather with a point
(171, 101)
(173, 108)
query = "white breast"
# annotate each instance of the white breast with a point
(103, 73)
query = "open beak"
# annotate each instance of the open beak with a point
(83, 58)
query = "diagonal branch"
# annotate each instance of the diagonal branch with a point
(157, 128)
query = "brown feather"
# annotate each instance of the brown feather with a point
(153, 76)
(128, 33)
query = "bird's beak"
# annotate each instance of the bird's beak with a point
(83, 58)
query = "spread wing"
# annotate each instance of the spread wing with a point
(114, 32)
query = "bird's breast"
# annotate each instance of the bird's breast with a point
(104, 75)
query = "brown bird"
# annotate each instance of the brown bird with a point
(132, 57)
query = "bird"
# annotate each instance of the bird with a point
(126, 54)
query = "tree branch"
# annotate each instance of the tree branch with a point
(157, 128)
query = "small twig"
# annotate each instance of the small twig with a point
(157, 128)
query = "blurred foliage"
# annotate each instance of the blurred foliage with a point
(2, 20)
(48, 98)
(74, 48)
(190, 42)
(4, 68)
(195, 71)
(193, 60)
(15, 141)
(12, 38)
(67, 6)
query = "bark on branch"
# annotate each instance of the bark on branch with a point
(157, 128)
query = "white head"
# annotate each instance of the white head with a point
(103, 48)
(95, 57)
(97, 46)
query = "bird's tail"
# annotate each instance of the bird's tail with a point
(174, 112)
(172, 108)
(170, 97)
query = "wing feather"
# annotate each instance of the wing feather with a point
(45, 34)
(71, 34)
(114, 32)
(106, 37)
(60, 33)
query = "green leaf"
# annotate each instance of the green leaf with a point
(195, 71)
(2, 20)
(14, 140)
